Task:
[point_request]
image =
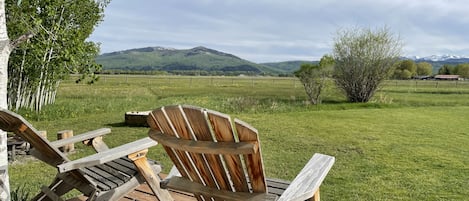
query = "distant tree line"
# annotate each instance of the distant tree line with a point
(407, 69)
(460, 69)
(183, 72)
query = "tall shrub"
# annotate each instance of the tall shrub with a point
(364, 58)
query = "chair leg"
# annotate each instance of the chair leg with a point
(153, 181)
(316, 196)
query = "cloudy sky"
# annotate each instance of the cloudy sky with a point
(281, 30)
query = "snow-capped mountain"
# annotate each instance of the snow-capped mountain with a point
(445, 57)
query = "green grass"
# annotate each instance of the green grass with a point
(408, 143)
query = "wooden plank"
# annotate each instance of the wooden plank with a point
(276, 186)
(254, 161)
(116, 176)
(107, 178)
(180, 159)
(82, 137)
(12, 122)
(201, 129)
(50, 194)
(205, 147)
(183, 184)
(79, 180)
(65, 134)
(123, 169)
(144, 193)
(97, 143)
(307, 182)
(221, 126)
(180, 125)
(157, 121)
(100, 182)
(153, 181)
(124, 161)
(108, 155)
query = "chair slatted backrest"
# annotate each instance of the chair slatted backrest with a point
(227, 171)
(43, 150)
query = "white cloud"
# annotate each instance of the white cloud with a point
(265, 30)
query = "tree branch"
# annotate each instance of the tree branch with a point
(21, 39)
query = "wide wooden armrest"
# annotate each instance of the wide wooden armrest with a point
(108, 155)
(307, 182)
(81, 137)
(183, 184)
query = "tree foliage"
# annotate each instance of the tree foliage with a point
(424, 69)
(58, 48)
(462, 70)
(314, 76)
(447, 70)
(405, 69)
(363, 59)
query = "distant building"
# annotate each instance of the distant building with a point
(448, 77)
(422, 77)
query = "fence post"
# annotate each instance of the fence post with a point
(43, 134)
(64, 135)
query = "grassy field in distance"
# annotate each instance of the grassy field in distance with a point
(408, 143)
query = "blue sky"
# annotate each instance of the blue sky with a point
(281, 30)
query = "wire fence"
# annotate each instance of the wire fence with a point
(279, 82)
(195, 81)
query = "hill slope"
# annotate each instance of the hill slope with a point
(288, 66)
(198, 59)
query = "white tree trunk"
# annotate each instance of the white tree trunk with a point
(4, 54)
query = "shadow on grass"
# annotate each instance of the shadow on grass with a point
(123, 124)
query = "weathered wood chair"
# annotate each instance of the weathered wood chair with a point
(220, 159)
(107, 175)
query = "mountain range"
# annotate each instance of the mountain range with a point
(441, 58)
(204, 61)
(197, 60)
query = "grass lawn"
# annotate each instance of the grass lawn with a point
(408, 143)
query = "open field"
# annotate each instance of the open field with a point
(409, 143)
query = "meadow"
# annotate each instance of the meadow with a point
(409, 143)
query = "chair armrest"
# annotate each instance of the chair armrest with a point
(108, 155)
(81, 137)
(307, 182)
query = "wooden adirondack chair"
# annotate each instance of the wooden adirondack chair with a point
(221, 159)
(107, 175)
